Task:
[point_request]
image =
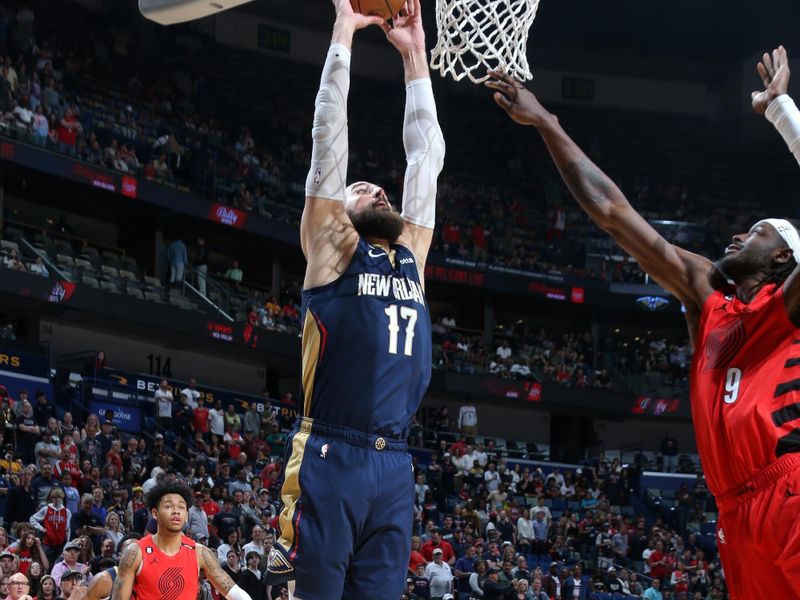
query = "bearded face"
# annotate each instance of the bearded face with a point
(371, 214)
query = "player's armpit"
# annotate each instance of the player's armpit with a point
(207, 560)
(128, 565)
(417, 239)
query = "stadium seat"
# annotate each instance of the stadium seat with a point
(90, 281)
(153, 297)
(63, 259)
(109, 287)
(153, 282)
(9, 245)
(83, 264)
(109, 271)
(135, 293)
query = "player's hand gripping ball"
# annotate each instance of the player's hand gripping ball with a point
(386, 9)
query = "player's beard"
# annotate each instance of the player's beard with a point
(378, 223)
(738, 265)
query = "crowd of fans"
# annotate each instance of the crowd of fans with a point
(485, 529)
(160, 122)
(528, 353)
(72, 489)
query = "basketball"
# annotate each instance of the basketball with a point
(381, 8)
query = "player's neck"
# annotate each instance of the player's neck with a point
(748, 287)
(168, 542)
(379, 242)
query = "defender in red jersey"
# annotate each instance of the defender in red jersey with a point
(743, 313)
(166, 565)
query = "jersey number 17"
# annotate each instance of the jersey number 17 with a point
(409, 315)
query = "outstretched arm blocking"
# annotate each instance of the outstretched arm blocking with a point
(774, 103)
(681, 272)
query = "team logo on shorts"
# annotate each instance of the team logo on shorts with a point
(277, 563)
(324, 451)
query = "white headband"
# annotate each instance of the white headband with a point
(789, 234)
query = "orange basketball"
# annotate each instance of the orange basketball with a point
(381, 8)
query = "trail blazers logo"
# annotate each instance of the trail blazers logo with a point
(171, 584)
(724, 344)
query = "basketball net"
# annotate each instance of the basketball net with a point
(476, 35)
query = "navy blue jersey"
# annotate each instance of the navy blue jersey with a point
(367, 344)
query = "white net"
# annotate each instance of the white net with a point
(476, 35)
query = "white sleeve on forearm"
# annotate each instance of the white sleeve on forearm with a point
(328, 173)
(783, 114)
(237, 593)
(425, 151)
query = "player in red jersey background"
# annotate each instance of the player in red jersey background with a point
(743, 313)
(166, 565)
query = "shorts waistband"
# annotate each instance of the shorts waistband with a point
(354, 437)
(745, 492)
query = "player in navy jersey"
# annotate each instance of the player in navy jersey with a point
(345, 529)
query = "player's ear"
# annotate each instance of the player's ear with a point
(783, 256)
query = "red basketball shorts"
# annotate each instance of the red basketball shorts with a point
(758, 533)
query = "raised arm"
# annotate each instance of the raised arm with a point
(780, 110)
(207, 561)
(129, 563)
(327, 237)
(774, 103)
(683, 273)
(422, 136)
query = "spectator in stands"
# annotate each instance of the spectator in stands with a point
(576, 586)
(234, 274)
(192, 393)
(439, 576)
(70, 563)
(200, 264)
(37, 268)
(653, 592)
(164, 401)
(69, 128)
(43, 410)
(18, 587)
(251, 579)
(669, 452)
(27, 434)
(468, 418)
(438, 543)
(493, 589)
(216, 420)
(177, 259)
(11, 261)
(86, 521)
(182, 417)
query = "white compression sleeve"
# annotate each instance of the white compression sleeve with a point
(328, 173)
(425, 149)
(783, 114)
(237, 593)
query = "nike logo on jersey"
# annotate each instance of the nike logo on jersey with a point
(373, 254)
